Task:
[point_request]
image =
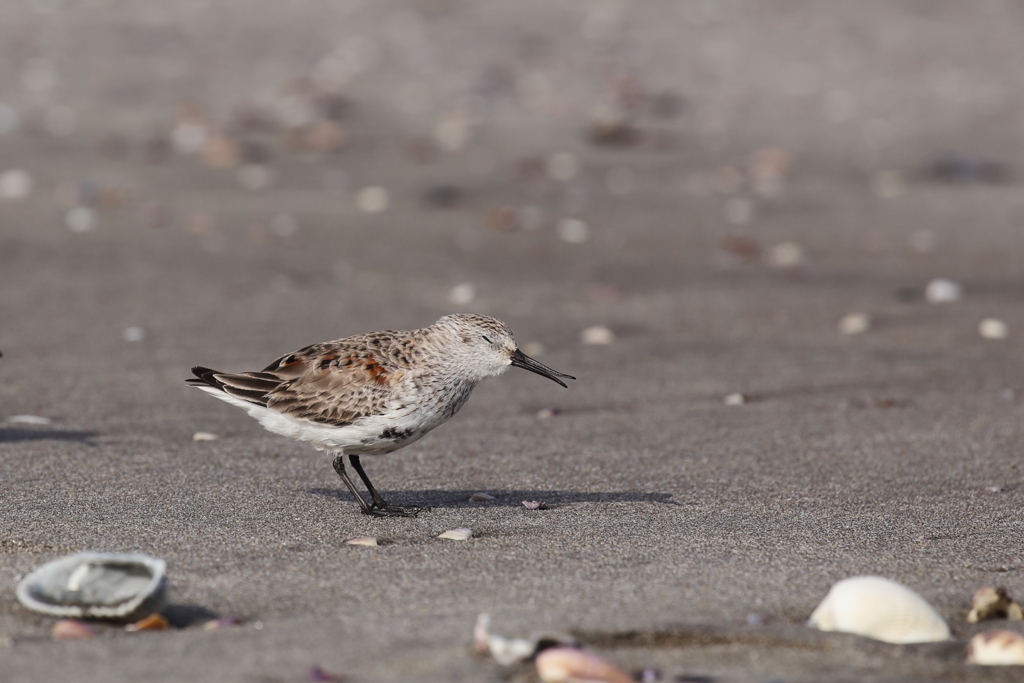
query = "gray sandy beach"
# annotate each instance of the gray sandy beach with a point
(716, 184)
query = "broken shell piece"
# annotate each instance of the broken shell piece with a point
(878, 608)
(535, 505)
(459, 534)
(996, 648)
(204, 436)
(222, 622)
(96, 586)
(368, 541)
(480, 497)
(598, 334)
(154, 622)
(506, 651)
(942, 291)
(993, 328)
(735, 399)
(569, 665)
(28, 420)
(854, 323)
(993, 603)
(70, 629)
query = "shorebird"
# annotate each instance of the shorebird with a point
(374, 393)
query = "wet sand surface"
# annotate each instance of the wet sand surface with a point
(681, 533)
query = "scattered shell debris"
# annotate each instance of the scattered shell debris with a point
(736, 399)
(480, 497)
(535, 505)
(367, 541)
(881, 609)
(457, 534)
(993, 328)
(942, 291)
(990, 602)
(570, 665)
(508, 651)
(854, 323)
(204, 436)
(462, 295)
(72, 629)
(154, 622)
(996, 648)
(96, 586)
(597, 335)
(28, 420)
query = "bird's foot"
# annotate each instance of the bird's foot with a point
(394, 511)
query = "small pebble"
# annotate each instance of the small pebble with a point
(535, 505)
(942, 291)
(373, 199)
(222, 622)
(462, 295)
(786, 255)
(204, 436)
(458, 534)
(994, 489)
(854, 323)
(562, 166)
(316, 674)
(71, 629)
(444, 196)
(15, 184)
(573, 231)
(28, 420)
(480, 497)
(547, 413)
(993, 328)
(154, 622)
(735, 399)
(80, 219)
(367, 541)
(598, 335)
(133, 334)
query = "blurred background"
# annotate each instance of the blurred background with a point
(197, 181)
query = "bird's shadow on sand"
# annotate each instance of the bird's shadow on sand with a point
(447, 499)
(9, 434)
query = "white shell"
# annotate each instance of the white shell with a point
(996, 648)
(368, 541)
(459, 534)
(569, 665)
(96, 586)
(881, 609)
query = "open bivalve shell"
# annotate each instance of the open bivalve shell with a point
(96, 586)
(990, 602)
(996, 648)
(878, 608)
(508, 651)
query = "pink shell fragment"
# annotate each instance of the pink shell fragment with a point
(535, 505)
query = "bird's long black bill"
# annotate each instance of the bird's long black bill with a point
(521, 360)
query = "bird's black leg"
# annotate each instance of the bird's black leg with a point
(379, 507)
(339, 467)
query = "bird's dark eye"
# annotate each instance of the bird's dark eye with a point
(487, 340)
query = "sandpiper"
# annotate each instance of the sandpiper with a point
(374, 393)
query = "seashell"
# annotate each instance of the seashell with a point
(204, 436)
(480, 497)
(878, 608)
(70, 629)
(735, 399)
(507, 651)
(993, 603)
(28, 420)
(569, 665)
(996, 648)
(458, 534)
(943, 291)
(535, 505)
(154, 622)
(993, 328)
(96, 586)
(597, 335)
(854, 323)
(222, 622)
(368, 541)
